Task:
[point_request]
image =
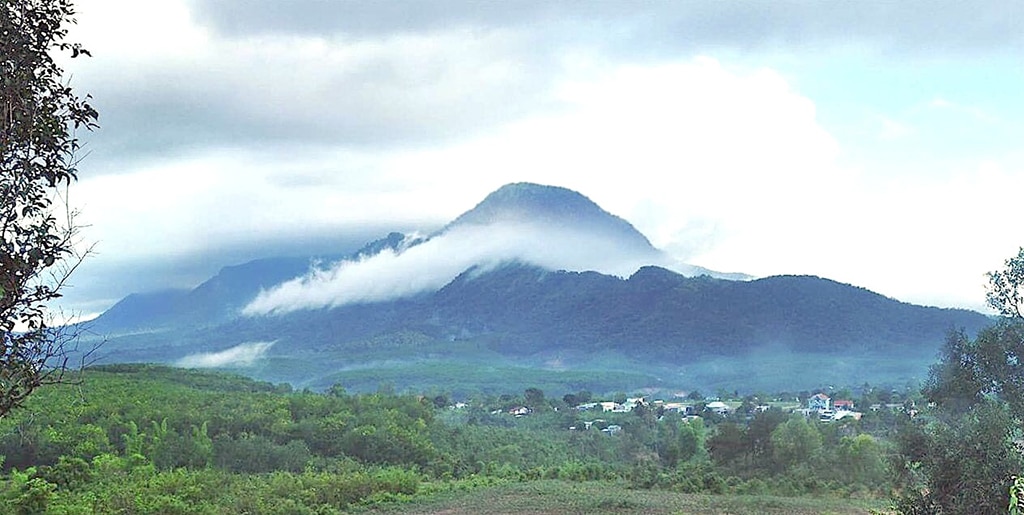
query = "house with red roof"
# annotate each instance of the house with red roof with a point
(842, 404)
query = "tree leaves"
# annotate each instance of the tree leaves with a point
(963, 459)
(38, 115)
(1006, 287)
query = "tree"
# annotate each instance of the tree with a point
(863, 460)
(795, 442)
(961, 464)
(40, 115)
(759, 434)
(1006, 287)
(960, 457)
(726, 445)
(534, 398)
(691, 438)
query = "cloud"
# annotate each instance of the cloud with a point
(385, 75)
(230, 122)
(657, 145)
(185, 88)
(893, 130)
(428, 266)
(242, 355)
(912, 26)
(680, 150)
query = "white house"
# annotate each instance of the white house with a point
(614, 407)
(718, 407)
(819, 402)
(613, 429)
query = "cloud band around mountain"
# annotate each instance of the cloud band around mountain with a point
(430, 265)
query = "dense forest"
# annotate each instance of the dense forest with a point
(150, 439)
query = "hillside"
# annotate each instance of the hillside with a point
(153, 439)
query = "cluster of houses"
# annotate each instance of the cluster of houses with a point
(611, 429)
(819, 406)
(822, 406)
(613, 407)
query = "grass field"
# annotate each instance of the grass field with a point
(562, 497)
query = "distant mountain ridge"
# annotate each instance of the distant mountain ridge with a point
(215, 300)
(660, 313)
(656, 321)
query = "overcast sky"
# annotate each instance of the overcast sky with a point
(876, 144)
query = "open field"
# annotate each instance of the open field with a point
(561, 497)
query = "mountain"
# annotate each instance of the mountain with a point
(553, 207)
(529, 322)
(662, 315)
(141, 311)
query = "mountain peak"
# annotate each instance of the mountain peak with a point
(553, 206)
(525, 201)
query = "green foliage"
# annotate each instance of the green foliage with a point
(27, 493)
(256, 454)
(69, 473)
(680, 441)
(795, 442)
(759, 434)
(727, 444)
(961, 457)
(992, 365)
(863, 461)
(1016, 494)
(1006, 287)
(534, 398)
(212, 491)
(141, 439)
(964, 464)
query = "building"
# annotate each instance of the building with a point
(718, 407)
(843, 405)
(819, 402)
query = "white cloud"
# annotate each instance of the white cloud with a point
(430, 265)
(269, 128)
(676, 149)
(181, 207)
(893, 130)
(657, 145)
(242, 355)
(686, 151)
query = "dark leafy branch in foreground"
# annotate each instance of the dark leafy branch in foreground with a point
(39, 117)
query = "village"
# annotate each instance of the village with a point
(819, 407)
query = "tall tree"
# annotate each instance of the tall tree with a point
(961, 457)
(39, 118)
(1006, 287)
